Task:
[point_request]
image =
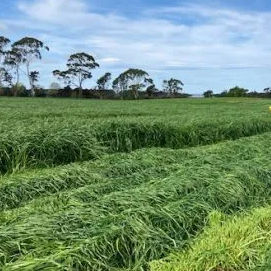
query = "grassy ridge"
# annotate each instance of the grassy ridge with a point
(53, 144)
(127, 226)
(238, 243)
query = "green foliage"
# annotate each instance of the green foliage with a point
(132, 80)
(73, 198)
(76, 128)
(235, 92)
(173, 86)
(103, 81)
(3, 43)
(228, 243)
(5, 76)
(25, 51)
(208, 94)
(120, 211)
(19, 90)
(79, 69)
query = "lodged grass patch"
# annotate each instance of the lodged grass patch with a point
(237, 243)
(128, 185)
(132, 212)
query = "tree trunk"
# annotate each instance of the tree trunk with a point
(32, 90)
(135, 92)
(17, 75)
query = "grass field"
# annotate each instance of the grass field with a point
(135, 185)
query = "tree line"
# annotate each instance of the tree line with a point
(16, 59)
(239, 92)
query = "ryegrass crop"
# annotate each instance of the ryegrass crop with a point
(228, 243)
(46, 133)
(115, 185)
(127, 226)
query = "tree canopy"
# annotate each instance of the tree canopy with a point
(29, 49)
(173, 86)
(80, 66)
(132, 79)
(103, 81)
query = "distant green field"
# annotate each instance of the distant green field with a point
(135, 185)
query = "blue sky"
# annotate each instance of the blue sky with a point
(207, 44)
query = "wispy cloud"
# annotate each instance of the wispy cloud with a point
(187, 36)
(222, 38)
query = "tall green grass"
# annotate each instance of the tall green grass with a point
(72, 198)
(53, 144)
(128, 226)
(228, 243)
(46, 133)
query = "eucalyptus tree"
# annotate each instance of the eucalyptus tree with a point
(63, 76)
(34, 78)
(151, 88)
(79, 68)
(103, 81)
(13, 60)
(5, 76)
(30, 49)
(137, 79)
(3, 43)
(267, 90)
(120, 84)
(132, 79)
(173, 86)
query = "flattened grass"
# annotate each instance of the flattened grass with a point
(228, 243)
(119, 211)
(126, 227)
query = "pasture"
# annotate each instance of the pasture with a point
(177, 184)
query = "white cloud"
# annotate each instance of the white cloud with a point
(109, 60)
(224, 38)
(54, 11)
(160, 39)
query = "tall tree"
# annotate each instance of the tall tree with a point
(208, 94)
(5, 76)
(13, 60)
(237, 92)
(151, 88)
(30, 50)
(63, 76)
(267, 90)
(103, 82)
(173, 86)
(3, 43)
(34, 78)
(132, 79)
(80, 66)
(120, 84)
